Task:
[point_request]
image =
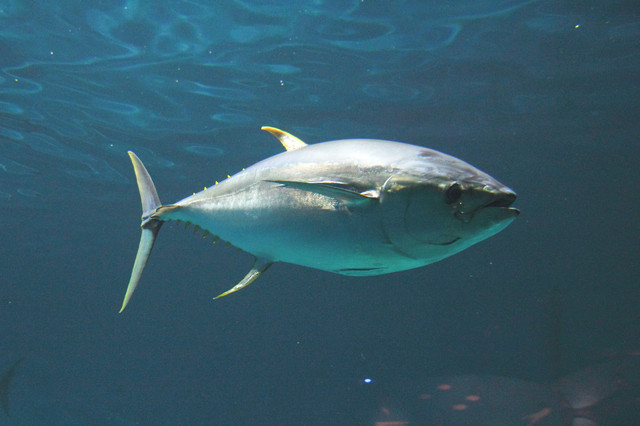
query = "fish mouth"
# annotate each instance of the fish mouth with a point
(500, 205)
(504, 201)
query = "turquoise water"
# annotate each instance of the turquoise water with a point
(543, 95)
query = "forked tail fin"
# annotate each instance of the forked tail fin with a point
(150, 226)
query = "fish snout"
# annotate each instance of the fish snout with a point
(502, 198)
(490, 199)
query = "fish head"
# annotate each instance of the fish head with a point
(436, 209)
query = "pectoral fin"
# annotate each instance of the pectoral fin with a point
(338, 190)
(260, 265)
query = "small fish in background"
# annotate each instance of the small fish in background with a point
(607, 393)
(354, 207)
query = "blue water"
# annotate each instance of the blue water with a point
(543, 95)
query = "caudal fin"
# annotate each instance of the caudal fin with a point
(150, 226)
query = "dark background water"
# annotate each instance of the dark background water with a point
(543, 95)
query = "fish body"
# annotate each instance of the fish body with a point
(353, 207)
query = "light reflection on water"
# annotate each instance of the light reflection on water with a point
(76, 77)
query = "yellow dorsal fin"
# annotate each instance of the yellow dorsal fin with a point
(287, 140)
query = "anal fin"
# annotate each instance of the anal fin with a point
(260, 265)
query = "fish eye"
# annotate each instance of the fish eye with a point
(453, 193)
